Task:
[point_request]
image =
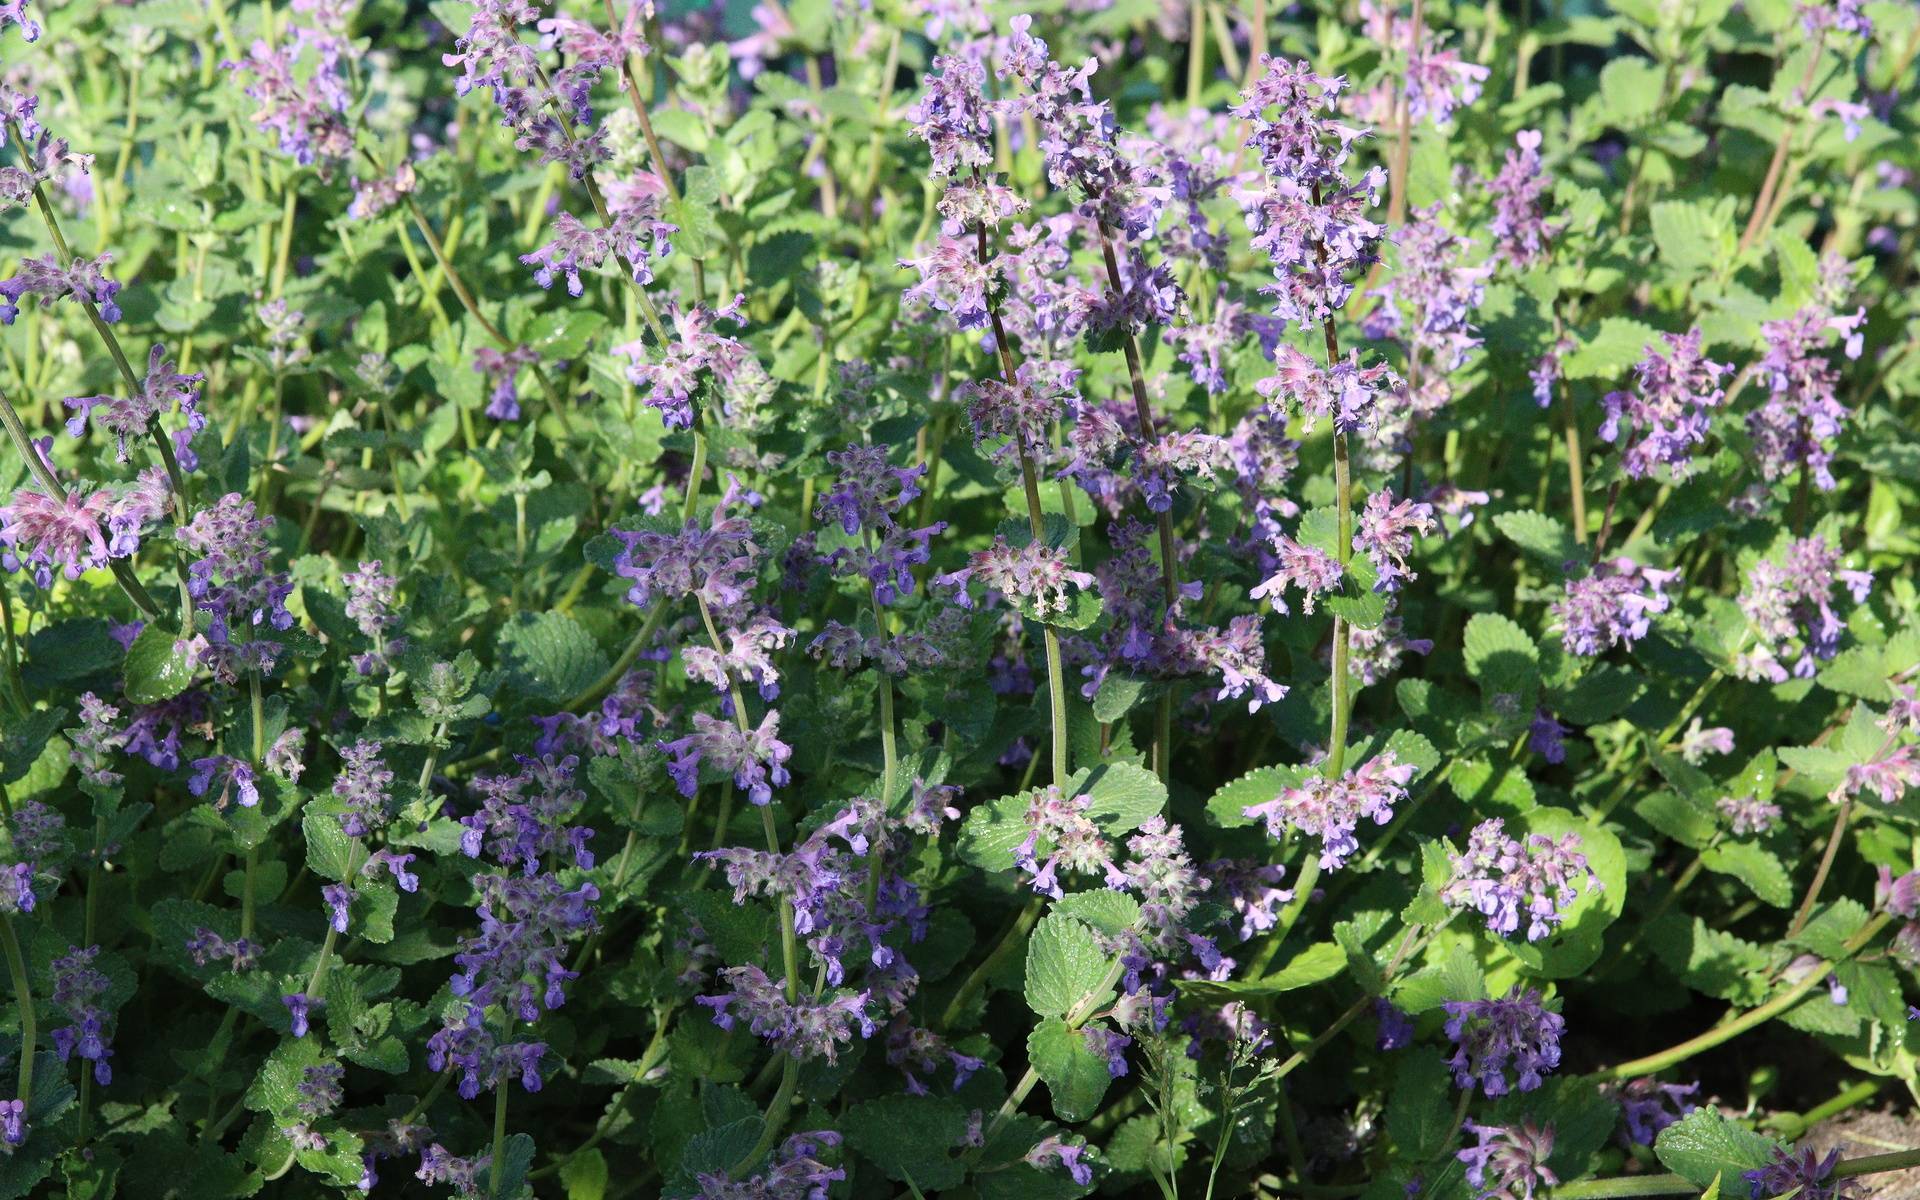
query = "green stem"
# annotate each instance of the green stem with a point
(1727, 1030)
(1832, 851)
(23, 996)
(500, 1090)
(1016, 933)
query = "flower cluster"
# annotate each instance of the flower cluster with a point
(1502, 1045)
(1502, 877)
(1612, 604)
(1332, 808)
(1668, 412)
(1788, 603)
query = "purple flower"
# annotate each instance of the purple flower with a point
(464, 1175)
(1396, 1027)
(1251, 890)
(1439, 83)
(206, 946)
(126, 417)
(708, 563)
(13, 1121)
(236, 779)
(1385, 536)
(668, 376)
(1789, 610)
(1376, 653)
(1051, 1149)
(1346, 393)
(1331, 809)
(1074, 843)
(805, 1027)
(794, 1170)
(1804, 1174)
(1520, 229)
(1309, 218)
(954, 118)
(286, 757)
(522, 819)
(362, 786)
(299, 1008)
(1802, 414)
(1108, 1044)
(1613, 604)
(1497, 1038)
(304, 105)
(84, 279)
(234, 583)
(339, 901)
(914, 1049)
(1748, 814)
(1020, 416)
(1650, 1106)
(1430, 298)
(95, 740)
(1037, 573)
(756, 758)
(501, 370)
(637, 238)
(953, 280)
(371, 597)
(78, 987)
(319, 1091)
(395, 864)
(1546, 737)
(1510, 1161)
(1818, 17)
(14, 12)
(1501, 878)
(1698, 742)
(1888, 775)
(1669, 409)
(79, 532)
(748, 657)
(1308, 568)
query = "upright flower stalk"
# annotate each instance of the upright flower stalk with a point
(1315, 249)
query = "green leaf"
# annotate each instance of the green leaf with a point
(1610, 350)
(1629, 90)
(583, 1174)
(1065, 965)
(550, 656)
(1110, 912)
(155, 670)
(1456, 977)
(1420, 1106)
(1124, 796)
(1075, 1076)
(1502, 658)
(1117, 695)
(1692, 238)
(1257, 786)
(563, 333)
(1703, 1146)
(911, 1137)
(328, 847)
(1686, 820)
(275, 1088)
(1539, 536)
(1315, 964)
(1756, 866)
